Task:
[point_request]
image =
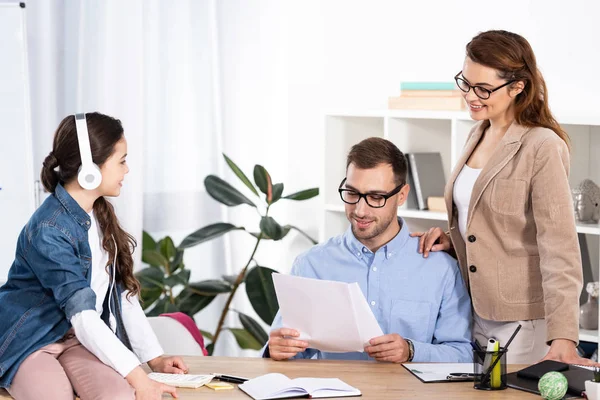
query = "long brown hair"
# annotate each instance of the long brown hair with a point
(512, 56)
(104, 133)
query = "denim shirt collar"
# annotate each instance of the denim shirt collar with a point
(72, 207)
(391, 248)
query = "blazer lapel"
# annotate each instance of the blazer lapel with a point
(505, 151)
(472, 142)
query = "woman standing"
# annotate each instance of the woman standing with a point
(512, 225)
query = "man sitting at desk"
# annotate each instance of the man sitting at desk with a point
(421, 304)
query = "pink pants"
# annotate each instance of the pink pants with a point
(64, 368)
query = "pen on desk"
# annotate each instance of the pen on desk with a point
(229, 378)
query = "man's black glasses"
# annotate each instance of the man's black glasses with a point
(375, 200)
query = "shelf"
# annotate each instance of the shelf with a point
(402, 212)
(590, 229)
(588, 336)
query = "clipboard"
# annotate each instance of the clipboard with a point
(438, 372)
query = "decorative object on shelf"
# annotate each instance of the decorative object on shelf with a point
(592, 388)
(586, 201)
(553, 386)
(427, 96)
(588, 314)
(165, 285)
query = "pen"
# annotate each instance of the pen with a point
(230, 378)
(489, 371)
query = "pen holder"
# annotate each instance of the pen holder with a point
(489, 368)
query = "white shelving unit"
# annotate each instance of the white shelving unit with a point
(444, 132)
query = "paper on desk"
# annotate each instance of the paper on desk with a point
(331, 316)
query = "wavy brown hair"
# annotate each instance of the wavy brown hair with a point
(512, 56)
(104, 133)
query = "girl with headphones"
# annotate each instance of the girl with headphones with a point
(70, 320)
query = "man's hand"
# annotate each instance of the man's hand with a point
(168, 365)
(564, 350)
(282, 344)
(390, 348)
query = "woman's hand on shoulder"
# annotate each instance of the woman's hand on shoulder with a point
(435, 239)
(168, 365)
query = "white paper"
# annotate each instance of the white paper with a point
(432, 372)
(331, 316)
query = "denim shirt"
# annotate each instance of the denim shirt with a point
(422, 299)
(48, 283)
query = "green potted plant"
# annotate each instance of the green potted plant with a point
(165, 283)
(592, 388)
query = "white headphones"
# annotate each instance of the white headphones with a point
(89, 176)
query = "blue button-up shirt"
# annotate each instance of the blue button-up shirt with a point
(421, 299)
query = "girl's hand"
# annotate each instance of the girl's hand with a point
(168, 365)
(146, 388)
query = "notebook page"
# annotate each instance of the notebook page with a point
(316, 385)
(270, 386)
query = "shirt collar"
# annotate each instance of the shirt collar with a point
(391, 248)
(72, 207)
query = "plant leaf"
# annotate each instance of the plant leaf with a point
(210, 287)
(254, 328)
(303, 195)
(154, 258)
(149, 295)
(262, 179)
(180, 278)
(167, 248)
(206, 334)
(147, 242)
(261, 293)
(210, 348)
(190, 302)
(224, 193)
(151, 278)
(306, 235)
(177, 262)
(209, 232)
(277, 191)
(238, 172)
(244, 339)
(271, 228)
(162, 306)
(231, 279)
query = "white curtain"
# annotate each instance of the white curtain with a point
(151, 64)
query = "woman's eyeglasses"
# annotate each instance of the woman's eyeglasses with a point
(480, 91)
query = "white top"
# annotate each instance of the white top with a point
(463, 188)
(96, 336)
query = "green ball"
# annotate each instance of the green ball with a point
(553, 386)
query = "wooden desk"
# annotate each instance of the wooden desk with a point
(378, 381)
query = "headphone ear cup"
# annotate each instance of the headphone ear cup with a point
(89, 177)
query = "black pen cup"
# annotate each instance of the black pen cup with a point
(489, 368)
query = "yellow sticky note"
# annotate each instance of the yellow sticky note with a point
(219, 386)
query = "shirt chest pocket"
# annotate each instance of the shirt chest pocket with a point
(411, 319)
(509, 196)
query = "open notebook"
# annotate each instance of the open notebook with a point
(181, 380)
(278, 386)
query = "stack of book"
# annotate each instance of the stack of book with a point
(428, 96)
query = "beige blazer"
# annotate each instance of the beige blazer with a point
(522, 259)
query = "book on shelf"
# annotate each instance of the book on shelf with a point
(425, 177)
(436, 204)
(427, 86)
(450, 103)
(430, 93)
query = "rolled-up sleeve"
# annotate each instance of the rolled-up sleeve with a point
(52, 258)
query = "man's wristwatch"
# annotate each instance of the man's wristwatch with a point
(411, 350)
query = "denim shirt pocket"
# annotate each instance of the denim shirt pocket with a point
(411, 319)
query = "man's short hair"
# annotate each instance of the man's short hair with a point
(374, 151)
